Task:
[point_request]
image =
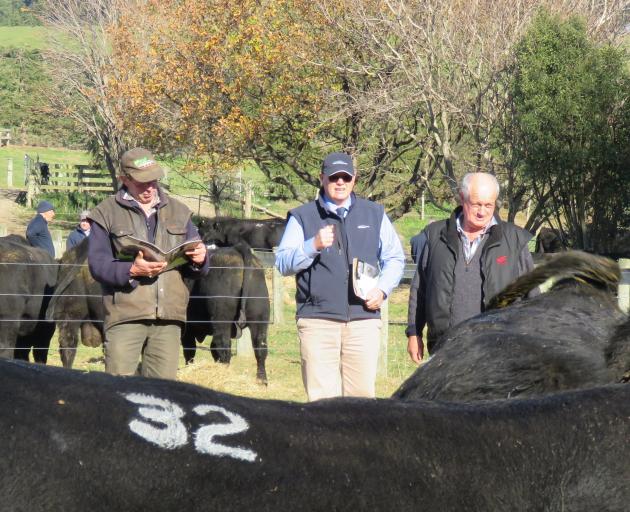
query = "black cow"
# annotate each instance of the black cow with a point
(164, 446)
(231, 297)
(228, 231)
(550, 240)
(28, 276)
(77, 305)
(562, 339)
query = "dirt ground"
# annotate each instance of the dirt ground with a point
(13, 217)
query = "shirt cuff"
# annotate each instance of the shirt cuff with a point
(309, 248)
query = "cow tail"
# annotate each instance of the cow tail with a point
(596, 271)
(248, 268)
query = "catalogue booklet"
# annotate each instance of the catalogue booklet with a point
(175, 257)
(364, 277)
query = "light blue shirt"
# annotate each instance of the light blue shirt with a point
(295, 254)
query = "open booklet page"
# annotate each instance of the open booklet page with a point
(364, 278)
(151, 252)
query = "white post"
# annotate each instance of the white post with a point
(624, 286)
(422, 206)
(58, 242)
(382, 354)
(244, 344)
(10, 173)
(278, 293)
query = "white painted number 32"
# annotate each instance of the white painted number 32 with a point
(161, 425)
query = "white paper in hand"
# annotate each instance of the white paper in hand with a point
(364, 278)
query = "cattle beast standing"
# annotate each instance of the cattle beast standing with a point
(165, 446)
(28, 275)
(77, 305)
(257, 233)
(562, 339)
(232, 296)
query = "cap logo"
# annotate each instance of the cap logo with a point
(143, 162)
(341, 162)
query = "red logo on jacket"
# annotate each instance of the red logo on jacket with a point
(502, 260)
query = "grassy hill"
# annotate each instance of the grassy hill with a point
(31, 38)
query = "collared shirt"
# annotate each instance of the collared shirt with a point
(469, 247)
(148, 212)
(295, 254)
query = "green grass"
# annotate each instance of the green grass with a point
(283, 362)
(49, 155)
(33, 38)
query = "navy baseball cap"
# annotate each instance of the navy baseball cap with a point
(336, 163)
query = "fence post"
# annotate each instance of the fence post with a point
(57, 237)
(382, 353)
(422, 206)
(624, 286)
(244, 344)
(247, 201)
(10, 173)
(278, 294)
(30, 189)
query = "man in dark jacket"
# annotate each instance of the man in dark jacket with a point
(466, 260)
(37, 232)
(339, 330)
(145, 302)
(81, 232)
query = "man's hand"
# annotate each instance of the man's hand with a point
(374, 299)
(415, 348)
(144, 268)
(325, 237)
(198, 254)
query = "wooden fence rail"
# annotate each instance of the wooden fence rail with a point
(79, 178)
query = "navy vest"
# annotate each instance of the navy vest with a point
(324, 290)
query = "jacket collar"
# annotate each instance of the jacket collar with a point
(451, 236)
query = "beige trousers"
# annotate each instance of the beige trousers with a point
(339, 358)
(157, 343)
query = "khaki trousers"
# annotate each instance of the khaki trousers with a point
(339, 358)
(157, 342)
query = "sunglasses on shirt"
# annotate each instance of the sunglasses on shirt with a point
(345, 177)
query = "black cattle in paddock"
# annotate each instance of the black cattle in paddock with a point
(77, 305)
(231, 297)
(28, 276)
(228, 231)
(559, 340)
(550, 240)
(164, 446)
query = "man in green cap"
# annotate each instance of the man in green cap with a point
(145, 303)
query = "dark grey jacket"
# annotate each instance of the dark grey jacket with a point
(504, 257)
(38, 235)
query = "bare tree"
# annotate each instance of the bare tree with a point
(436, 74)
(81, 70)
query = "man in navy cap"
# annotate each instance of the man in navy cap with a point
(37, 232)
(339, 331)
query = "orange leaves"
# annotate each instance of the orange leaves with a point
(214, 75)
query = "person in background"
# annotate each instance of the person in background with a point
(37, 232)
(416, 244)
(145, 306)
(339, 332)
(81, 232)
(464, 262)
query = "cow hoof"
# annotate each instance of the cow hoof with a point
(262, 380)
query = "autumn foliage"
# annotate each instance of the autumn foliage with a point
(216, 77)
